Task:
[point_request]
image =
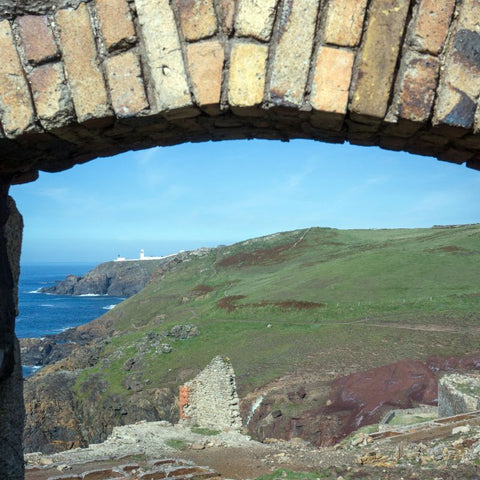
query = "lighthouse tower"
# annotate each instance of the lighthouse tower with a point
(142, 254)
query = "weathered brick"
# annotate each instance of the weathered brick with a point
(247, 74)
(205, 64)
(255, 19)
(37, 38)
(331, 82)
(115, 22)
(16, 109)
(163, 54)
(80, 59)
(51, 95)
(344, 22)
(197, 18)
(126, 85)
(291, 61)
(226, 13)
(460, 78)
(431, 25)
(416, 87)
(378, 58)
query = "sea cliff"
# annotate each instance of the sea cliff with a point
(117, 279)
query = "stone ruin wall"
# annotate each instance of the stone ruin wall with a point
(458, 394)
(210, 400)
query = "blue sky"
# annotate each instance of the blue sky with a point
(192, 195)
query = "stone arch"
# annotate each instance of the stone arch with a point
(86, 78)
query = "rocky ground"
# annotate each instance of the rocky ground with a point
(235, 456)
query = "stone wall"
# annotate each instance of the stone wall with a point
(11, 379)
(458, 394)
(86, 78)
(210, 400)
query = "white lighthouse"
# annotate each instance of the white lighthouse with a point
(142, 254)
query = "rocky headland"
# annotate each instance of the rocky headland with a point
(118, 279)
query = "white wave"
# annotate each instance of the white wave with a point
(33, 367)
(91, 295)
(34, 291)
(47, 305)
(109, 307)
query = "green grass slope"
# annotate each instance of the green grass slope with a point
(315, 300)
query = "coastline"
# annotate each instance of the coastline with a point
(45, 315)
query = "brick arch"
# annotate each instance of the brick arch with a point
(86, 78)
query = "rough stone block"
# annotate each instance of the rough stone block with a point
(431, 25)
(80, 59)
(416, 87)
(226, 13)
(115, 22)
(255, 19)
(247, 74)
(460, 79)
(163, 54)
(16, 109)
(51, 95)
(125, 80)
(291, 61)
(344, 22)
(37, 38)
(197, 18)
(205, 64)
(331, 82)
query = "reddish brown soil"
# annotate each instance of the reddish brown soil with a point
(202, 289)
(229, 304)
(262, 256)
(295, 304)
(365, 397)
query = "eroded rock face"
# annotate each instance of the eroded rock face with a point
(57, 420)
(11, 382)
(119, 279)
(49, 400)
(354, 401)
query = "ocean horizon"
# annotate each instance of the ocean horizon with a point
(42, 314)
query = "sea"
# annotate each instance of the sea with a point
(43, 314)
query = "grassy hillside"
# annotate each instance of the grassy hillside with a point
(316, 300)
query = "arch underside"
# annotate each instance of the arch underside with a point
(82, 79)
